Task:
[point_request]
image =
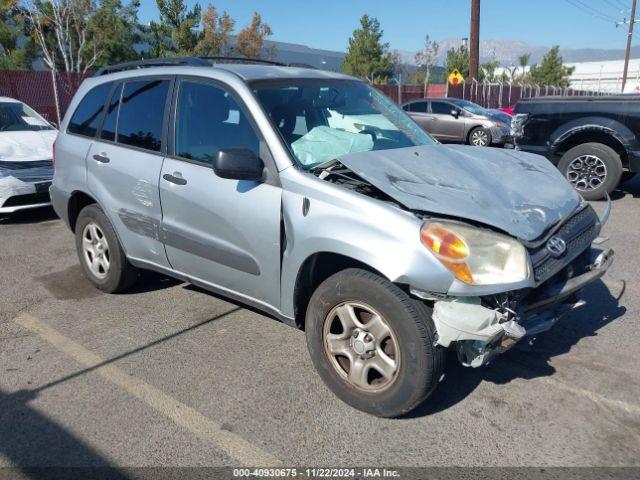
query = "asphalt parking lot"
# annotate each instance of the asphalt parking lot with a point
(168, 375)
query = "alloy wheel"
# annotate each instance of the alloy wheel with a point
(96, 250)
(361, 346)
(479, 138)
(586, 172)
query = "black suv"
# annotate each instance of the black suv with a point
(593, 140)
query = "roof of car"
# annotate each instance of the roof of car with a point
(251, 72)
(9, 99)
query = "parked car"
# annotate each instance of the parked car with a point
(312, 196)
(452, 120)
(594, 141)
(510, 110)
(26, 146)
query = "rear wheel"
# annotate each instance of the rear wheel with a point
(592, 168)
(101, 256)
(372, 344)
(480, 137)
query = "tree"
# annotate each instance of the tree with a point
(551, 71)
(457, 58)
(427, 58)
(216, 33)
(250, 40)
(367, 57)
(12, 27)
(114, 28)
(488, 71)
(176, 32)
(523, 61)
(62, 29)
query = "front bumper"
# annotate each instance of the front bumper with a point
(17, 194)
(480, 332)
(500, 136)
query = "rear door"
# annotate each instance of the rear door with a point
(225, 233)
(124, 164)
(419, 111)
(446, 126)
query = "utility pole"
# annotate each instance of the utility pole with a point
(474, 50)
(632, 21)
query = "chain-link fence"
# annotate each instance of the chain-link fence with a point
(46, 92)
(500, 95)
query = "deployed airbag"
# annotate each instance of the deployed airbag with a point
(322, 144)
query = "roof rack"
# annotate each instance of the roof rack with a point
(188, 61)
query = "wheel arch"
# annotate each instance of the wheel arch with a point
(77, 201)
(592, 130)
(470, 131)
(315, 269)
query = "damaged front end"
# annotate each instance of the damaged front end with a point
(24, 184)
(479, 328)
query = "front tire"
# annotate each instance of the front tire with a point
(372, 344)
(101, 256)
(480, 137)
(593, 169)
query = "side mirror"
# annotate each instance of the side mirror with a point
(455, 113)
(238, 164)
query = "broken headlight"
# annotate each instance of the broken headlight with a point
(476, 256)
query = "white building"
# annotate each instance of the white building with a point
(605, 76)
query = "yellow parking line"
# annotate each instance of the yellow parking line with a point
(185, 416)
(630, 408)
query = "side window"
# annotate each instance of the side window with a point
(86, 119)
(208, 119)
(441, 107)
(420, 107)
(141, 113)
(111, 116)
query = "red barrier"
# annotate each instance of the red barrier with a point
(36, 89)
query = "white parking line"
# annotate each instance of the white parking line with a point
(180, 413)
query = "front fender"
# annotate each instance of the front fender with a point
(339, 221)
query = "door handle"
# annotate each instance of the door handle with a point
(101, 157)
(175, 178)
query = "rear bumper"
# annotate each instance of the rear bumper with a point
(60, 203)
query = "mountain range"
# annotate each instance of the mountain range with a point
(508, 51)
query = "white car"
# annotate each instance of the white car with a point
(26, 157)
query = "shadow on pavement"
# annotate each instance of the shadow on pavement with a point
(34, 443)
(32, 215)
(40, 448)
(524, 361)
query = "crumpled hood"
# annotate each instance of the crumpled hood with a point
(27, 146)
(520, 193)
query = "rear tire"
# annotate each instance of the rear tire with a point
(593, 169)
(480, 137)
(406, 342)
(101, 256)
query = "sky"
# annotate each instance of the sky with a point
(328, 24)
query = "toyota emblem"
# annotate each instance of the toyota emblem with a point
(556, 246)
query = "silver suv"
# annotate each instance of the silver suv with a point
(460, 121)
(311, 196)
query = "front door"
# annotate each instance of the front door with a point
(447, 127)
(225, 233)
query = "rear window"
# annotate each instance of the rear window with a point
(141, 114)
(86, 119)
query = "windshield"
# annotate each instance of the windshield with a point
(470, 107)
(321, 120)
(16, 116)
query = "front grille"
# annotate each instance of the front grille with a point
(577, 232)
(27, 199)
